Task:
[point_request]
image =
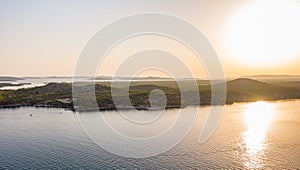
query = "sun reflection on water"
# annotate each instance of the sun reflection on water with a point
(258, 117)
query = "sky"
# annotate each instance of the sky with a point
(46, 37)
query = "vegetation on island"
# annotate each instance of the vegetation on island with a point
(60, 94)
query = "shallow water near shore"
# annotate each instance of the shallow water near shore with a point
(256, 135)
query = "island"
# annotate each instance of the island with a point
(59, 95)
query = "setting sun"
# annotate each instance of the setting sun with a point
(264, 33)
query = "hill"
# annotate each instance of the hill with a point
(274, 78)
(245, 90)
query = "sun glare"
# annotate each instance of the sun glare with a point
(265, 33)
(258, 116)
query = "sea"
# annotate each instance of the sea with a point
(257, 135)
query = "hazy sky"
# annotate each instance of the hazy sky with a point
(45, 37)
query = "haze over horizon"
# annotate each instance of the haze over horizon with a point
(45, 38)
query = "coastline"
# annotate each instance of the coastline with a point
(59, 95)
(14, 106)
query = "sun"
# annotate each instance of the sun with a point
(264, 33)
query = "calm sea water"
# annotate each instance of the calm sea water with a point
(257, 135)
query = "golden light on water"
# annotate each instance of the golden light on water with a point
(258, 117)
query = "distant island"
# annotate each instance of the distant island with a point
(13, 84)
(59, 95)
(5, 78)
